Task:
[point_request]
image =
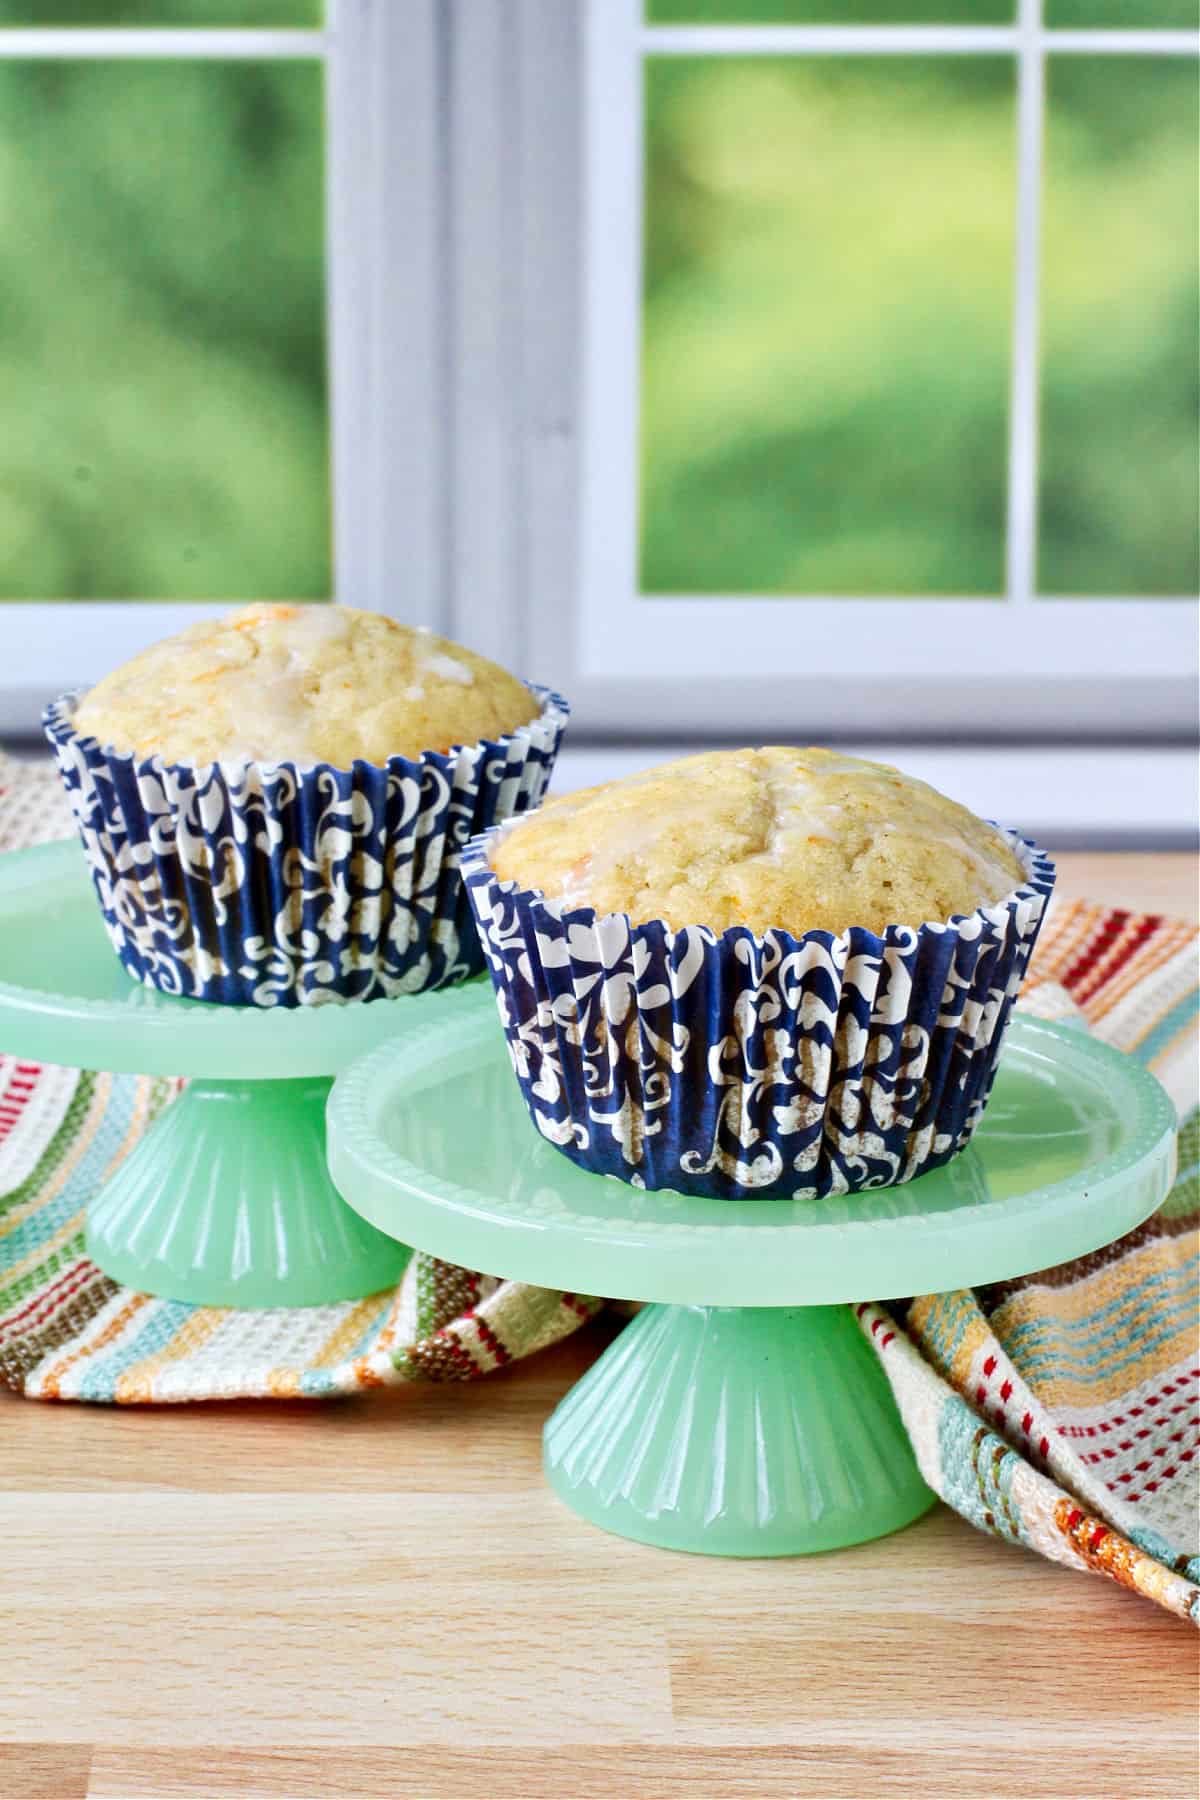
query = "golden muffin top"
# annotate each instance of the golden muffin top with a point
(800, 839)
(302, 683)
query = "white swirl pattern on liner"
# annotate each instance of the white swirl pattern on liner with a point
(754, 1067)
(268, 884)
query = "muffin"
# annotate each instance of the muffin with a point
(273, 803)
(305, 684)
(770, 973)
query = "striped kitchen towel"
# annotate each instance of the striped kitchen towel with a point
(1058, 1411)
(1062, 1410)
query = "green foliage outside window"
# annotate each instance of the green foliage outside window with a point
(829, 260)
(162, 331)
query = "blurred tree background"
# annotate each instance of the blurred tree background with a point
(828, 300)
(162, 322)
(1057, 14)
(1141, 15)
(214, 13)
(1120, 349)
(829, 12)
(829, 285)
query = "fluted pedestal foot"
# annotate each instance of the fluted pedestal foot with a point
(738, 1432)
(226, 1201)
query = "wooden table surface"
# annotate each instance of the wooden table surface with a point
(379, 1597)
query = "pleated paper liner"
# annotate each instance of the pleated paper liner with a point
(746, 1066)
(276, 884)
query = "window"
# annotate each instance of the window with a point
(804, 367)
(164, 364)
(204, 264)
(891, 395)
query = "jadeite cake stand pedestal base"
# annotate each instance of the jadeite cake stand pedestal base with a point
(226, 1200)
(742, 1413)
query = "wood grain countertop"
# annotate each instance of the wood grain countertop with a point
(379, 1596)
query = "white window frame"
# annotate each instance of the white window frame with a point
(1017, 663)
(484, 292)
(383, 271)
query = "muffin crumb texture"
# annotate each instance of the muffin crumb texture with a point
(803, 840)
(302, 683)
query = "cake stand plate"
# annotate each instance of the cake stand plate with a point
(742, 1413)
(226, 1200)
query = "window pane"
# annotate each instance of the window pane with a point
(1085, 15)
(161, 12)
(1119, 463)
(827, 322)
(831, 12)
(162, 354)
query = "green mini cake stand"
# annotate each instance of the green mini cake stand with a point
(742, 1413)
(226, 1200)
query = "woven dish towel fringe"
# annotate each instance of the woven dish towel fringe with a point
(1058, 1411)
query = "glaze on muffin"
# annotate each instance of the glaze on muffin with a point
(801, 840)
(306, 684)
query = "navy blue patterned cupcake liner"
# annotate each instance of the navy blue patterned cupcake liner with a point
(754, 1067)
(281, 884)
